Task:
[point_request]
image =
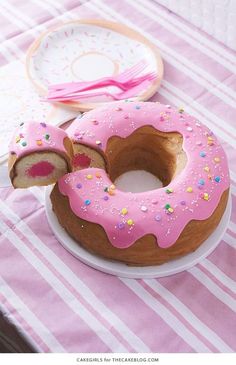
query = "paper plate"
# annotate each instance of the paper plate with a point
(122, 270)
(86, 50)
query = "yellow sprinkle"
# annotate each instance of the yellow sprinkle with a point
(39, 142)
(124, 211)
(210, 143)
(205, 196)
(130, 222)
(17, 139)
(170, 210)
(189, 189)
(112, 187)
(181, 110)
(217, 159)
(89, 177)
(206, 168)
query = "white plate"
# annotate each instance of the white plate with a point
(122, 270)
(87, 50)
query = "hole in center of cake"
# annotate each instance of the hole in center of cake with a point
(137, 181)
(159, 154)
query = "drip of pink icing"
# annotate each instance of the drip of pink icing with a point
(40, 169)
(81, 160)
(194, 193)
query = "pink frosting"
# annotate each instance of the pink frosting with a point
(193, 194)
(36, 137)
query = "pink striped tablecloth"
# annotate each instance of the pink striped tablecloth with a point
(59, 304)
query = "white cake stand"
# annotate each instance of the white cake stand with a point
(122, 270)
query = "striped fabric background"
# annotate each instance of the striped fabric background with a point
(60, 304)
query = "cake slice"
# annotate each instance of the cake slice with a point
(39, 154)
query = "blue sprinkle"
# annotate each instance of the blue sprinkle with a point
(87, 202)
(202, 154)
(137, 107)
(79, 186)
(201, 182)
(217, 179)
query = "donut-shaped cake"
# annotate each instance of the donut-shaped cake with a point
(39, 155)
(151, 227)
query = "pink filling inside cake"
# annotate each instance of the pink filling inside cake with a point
(81, 160)
(40, 169)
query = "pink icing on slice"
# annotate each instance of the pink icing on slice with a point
(37, 136)
(40, 169)
(193, 194)
(81, 160)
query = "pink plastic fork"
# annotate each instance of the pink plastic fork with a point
(134, 91)
(124, 77)
(125, 87)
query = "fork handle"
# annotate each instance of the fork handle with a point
(80, 86)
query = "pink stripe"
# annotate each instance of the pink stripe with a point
(41, 303)
(224, 257)
(217, 282)
(215, 314)
(178, 315)
(231, 232)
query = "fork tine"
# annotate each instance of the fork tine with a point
(134, 70)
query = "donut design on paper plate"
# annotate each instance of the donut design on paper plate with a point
(39, 155)
(149, 227)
